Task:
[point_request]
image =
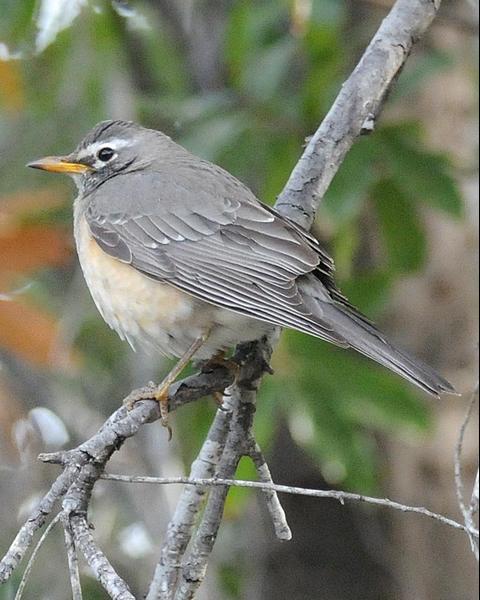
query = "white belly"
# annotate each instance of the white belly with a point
(153, 314)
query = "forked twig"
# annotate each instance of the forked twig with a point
(467, 512)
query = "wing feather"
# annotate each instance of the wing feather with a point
(232, 252)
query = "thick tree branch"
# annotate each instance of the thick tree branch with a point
(231, 428)
(356, 108)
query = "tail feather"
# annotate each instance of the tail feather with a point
(360, 334)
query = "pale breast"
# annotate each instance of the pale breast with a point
(138, 308)
(150, 313)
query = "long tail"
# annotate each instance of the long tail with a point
(353, 330)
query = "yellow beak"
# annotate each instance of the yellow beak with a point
(59, 164)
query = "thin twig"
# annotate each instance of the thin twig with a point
(37, 519)
(72, 558)
(459, 486)
(279, 519)
(341, 496)
(31, 562)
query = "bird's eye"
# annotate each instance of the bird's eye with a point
(105, 154)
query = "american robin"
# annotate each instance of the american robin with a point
(181, 256)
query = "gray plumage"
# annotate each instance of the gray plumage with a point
(188, 223)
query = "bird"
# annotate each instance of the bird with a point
(180, 256)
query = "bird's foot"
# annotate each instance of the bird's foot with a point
(153, 392)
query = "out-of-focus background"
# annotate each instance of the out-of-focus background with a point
(242, 84)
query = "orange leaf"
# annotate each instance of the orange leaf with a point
(28, 332)
(31, 247)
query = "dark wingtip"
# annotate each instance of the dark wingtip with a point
(445, 387)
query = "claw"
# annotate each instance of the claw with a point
(161, 396)
(145, 393)
(218, 397)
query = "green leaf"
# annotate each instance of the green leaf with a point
(345, 246)
(265, 73)
(347, 193)
(211, 137)
(165, 65)
(417, 71)
(343, 396)
(423, 176)
(368, 291)
(280, 156)
(252, 26)
(331, 12)
(324, 69)
(237, 496)
(99, 345)
(403, 237)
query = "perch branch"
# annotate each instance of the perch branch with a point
(241, 405)
(253, 360)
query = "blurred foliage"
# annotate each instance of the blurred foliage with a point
(279, 72)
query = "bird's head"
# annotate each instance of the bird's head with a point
(110, 148)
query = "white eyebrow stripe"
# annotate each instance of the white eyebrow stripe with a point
(114, 144)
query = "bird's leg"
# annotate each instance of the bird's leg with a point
(160, 393)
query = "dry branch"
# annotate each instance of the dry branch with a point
(72, 558)
(469, 512)
(98, 449)
(339, 495)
